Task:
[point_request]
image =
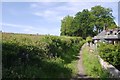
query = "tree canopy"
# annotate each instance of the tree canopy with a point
(88, 23)
(103, 18)
(66, 28)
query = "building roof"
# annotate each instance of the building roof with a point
(108, 34)
(102, 33)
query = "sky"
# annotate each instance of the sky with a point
(44, 17)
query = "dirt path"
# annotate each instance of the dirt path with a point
(81, 71)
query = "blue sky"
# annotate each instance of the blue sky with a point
(44, 17)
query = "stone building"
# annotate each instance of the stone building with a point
(108, 35)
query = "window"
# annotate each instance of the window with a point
(108, 33)
(111, 32)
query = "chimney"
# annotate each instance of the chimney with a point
(105, 27)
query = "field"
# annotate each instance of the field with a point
(39, 56)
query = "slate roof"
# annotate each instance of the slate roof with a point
(105, 34)
(102, 33)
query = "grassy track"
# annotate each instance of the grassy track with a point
(92, 65)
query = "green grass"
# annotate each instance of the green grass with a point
(39, 63)
(92, 65)
(73, 67)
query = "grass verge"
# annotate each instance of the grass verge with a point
(92, 65)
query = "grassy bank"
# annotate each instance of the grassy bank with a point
(92, 65)
(35, 56)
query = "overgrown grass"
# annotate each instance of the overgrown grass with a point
(73, 66)
(34, 56)
(92, 65)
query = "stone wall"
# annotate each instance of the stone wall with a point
(110, 68)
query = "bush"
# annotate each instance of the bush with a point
(110, 53)
(29, 56)
(89, 39)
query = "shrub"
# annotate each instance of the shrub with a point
(29, 56)
(110, 53)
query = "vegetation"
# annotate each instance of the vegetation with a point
(34, 56)
(66, 26)
(88, 23)
(89, 39)
(110, 53)
(92, 65)
(39, 56)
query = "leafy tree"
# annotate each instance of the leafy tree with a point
(103, 18)
(66, 28)
(84, 23)
(80, 25)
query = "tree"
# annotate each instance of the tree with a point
(66, 28)
(103, 18)
(83, 24)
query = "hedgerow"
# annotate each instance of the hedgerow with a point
(34, 56)
(110, 53)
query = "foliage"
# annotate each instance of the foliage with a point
(82, 24)
(103, 17)
(66, 28)
(89, 39)
(92, 65)
(34, 56)
(88, 23)
(110, 53)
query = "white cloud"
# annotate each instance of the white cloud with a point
(51, 13)
(23, 28)
(55, 12)
(16, 26)
(34, 5)
(46, 13)
(29, 29)
(38, 14)
(59, 0)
